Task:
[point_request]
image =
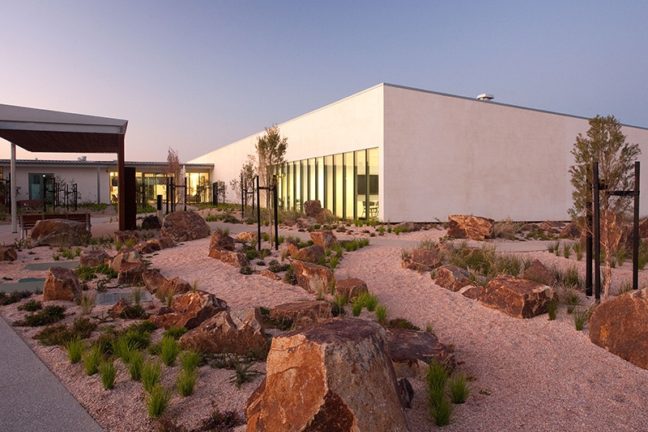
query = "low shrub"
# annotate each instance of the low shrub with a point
(135, 311)
(290, 276)
(48, 315)
(107, 372)
(402, 323)
(14, 297)
(31, 306)
(246, 270)
(61, 334)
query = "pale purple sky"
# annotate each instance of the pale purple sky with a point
(195, 75)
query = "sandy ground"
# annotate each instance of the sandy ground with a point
(530, 375)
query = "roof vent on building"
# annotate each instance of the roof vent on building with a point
(485, 97)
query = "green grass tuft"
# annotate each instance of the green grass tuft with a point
(75, 350)
(190, 360)
(107, 372)
(169, 350)
(151, 373)
(459, 389)
(135, 365)
(157, 401)
(186, 382)
(91, 360)
(381, 314)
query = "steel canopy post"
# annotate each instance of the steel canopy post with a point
(12, 190)
(258, 214)
(597, 232)
(635, 230)
(275, 201)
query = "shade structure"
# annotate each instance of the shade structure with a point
(39, 130)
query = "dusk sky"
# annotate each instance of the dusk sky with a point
(195, 75)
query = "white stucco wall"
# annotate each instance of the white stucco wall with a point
(446, 155)
(353, 123)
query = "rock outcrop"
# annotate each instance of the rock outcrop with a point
(412, 350)
(312, 254)
(324, 239)
(221, 240)
(93, 257)
(60, 232)
(538, 272)
(620, 325)
(8, 253)
(451, 277)
(185, 225)
(301, 314)
(312, 208)
(519, 298)
(129, 267)
(238, 332)
(332, 377)
(151, 222)
(422, 259)
(312, 277)
(61, 284)
(350, 288)
(189, 310)
(470, 227)
(236, 259)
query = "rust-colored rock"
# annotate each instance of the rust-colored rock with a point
(519, 298)
(333, 377)
(451, 277)
(238, 332)
(153, 280)
(470, 227)
(118, 308)
(643, 228)
(422, 259)
(246, 237)
(236, 259)
(8, 253)
(61, 284)
(129, 267)
(151, 222)
(324, 239)
(312, 208)
(270, 275)
(173, 286)
(184, 226)
(302, 314)
(166, 242)
(620, 325)
(93, 257)
(471, 291)
(350, 288)
(312, 277)
(222, 241)
(289, 249)
(60, 232)
(189, 310)
(412, 350)
(312, 254)
(149, 246)
(538, 272)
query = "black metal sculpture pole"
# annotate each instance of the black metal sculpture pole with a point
(588, 237)
(597, 232)
(185, 194)
(258, 214)
(167, 189)
(635, 230)
(66, 193)
(44, 194)
(275, 201)
(242, 199)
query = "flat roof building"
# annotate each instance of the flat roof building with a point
(404, 154)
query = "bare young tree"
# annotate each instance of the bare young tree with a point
(605, 143)
(247, 174)
(174, 168)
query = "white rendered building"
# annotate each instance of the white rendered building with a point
(404, 154)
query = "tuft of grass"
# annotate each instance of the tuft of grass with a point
(87, 303)
(157, 401)
(123, 347)
(186, 382)
(175, 332)
(48, 315)
(459, 390)
(567, 249)
(135, 365)
(553, 247)
(381, 314)
(578, 250)
(107, 372)
(151, 373)
(137, 294)
(552, 309)
(365, 300)
(402, 323)
(571, 300)
(31, 306)
(243, 373)
(169, 350)
(439, 407)
(580, 318)
(91, 360)
(356, 308)
(75, 350)
(190, 360)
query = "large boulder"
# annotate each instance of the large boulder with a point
(312, 208)
(93, 257)
(470, 227)
(325, 239)
(538, 272)
(189, 310)
(350, 288)
(313, 254)
(312, 277)
(451, 277)
(301, 314)
(236, 259)
(153, 280)
(332, 377)
(221, 240)
(8, 253)
(60, 232)
(185, 225)
(61, 284)
(620, 325)
(412, 350)
(422, 259)
(129, 267)
(237, 332)
(519, 298)
(148, 246)
(151, 222)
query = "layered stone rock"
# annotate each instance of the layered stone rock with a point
(620, 325)
(246, 237)
(470, 227)
(451, 277)
(153, 280)
(301, 314)
(184, 226)
(412, 350)
(221, 240)
(312, 254)
(332, 377)
(237, 332)
(519, 298)
(60, 232)
(350, 288)
(312, 208)
(236, 259)
(151, 222)
(61, 284)
(270, 275)
(189, 310)
(93, 257)
(538, 272)
(471, 291)
(422, 259)
(324, 239)
(149, 246)
(8, 253)
(313, 278)
(129, 267)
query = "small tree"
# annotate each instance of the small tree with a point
(271, 149)
(605, 143)
(247, 174)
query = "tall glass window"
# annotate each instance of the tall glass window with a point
(339, 185)
(372, 163)
(361, 184)
(304, 188)
(312, 178)
(330, 183)
(349, 189)
(298, 181)
(320, 180)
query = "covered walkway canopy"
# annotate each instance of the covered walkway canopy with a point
(39, 130)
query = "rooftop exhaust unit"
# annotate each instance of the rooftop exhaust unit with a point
(485, 97)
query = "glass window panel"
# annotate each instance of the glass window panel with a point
(298, 180)
(330, 182)
(312, 180)
(304, 183)
(339, 186)
(320, 180)
(349, 186)
(361, 184)
(372, 156)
